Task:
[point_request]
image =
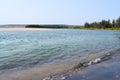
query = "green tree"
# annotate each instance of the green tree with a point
(104, 24)
(87, 25)
(108, 25)
(113, 23)
(118, 23)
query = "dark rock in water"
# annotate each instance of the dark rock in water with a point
(80, 65)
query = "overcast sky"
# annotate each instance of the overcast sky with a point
(73, 12)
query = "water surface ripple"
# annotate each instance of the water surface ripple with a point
(30, 48)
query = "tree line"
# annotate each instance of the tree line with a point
(104, 24)
(46, 26)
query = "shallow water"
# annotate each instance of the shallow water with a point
(107, 70)
(24, 49)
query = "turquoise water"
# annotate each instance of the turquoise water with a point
(27, 48)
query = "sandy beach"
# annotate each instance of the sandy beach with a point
(24, 29)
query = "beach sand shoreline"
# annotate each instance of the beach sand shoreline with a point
(25, 29)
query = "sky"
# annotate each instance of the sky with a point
(71, 12)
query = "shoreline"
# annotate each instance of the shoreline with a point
(106, 70)
(10, 29)
(95, 29)
(25, 29)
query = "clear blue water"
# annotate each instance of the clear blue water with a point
(29, 48)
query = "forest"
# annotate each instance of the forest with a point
(46, 26)
(104, 24)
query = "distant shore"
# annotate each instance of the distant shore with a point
(49, 29)
(24, 28)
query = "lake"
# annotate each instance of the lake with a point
(29, 48)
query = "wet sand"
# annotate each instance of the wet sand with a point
(24, 29)
(78, 68)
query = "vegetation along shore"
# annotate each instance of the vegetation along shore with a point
(104, 24)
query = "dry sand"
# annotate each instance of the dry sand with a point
(24, 29)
